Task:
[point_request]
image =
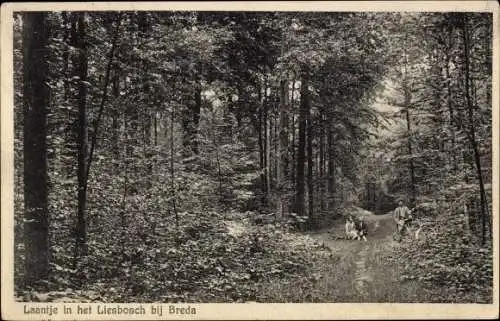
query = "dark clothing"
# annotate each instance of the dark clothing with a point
(361, 227)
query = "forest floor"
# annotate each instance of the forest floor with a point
(227, 257)
(364, 273)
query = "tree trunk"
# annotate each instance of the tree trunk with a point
(282, 151)
(84, 158)
(82, 139)
(292, 142)
(301, 152)
(216, 143)
(265, 141)
(196, 119)
(36, 105)
(448, 59)
(407, 102)
(65, 55)
(267, 124)
(155, 129)
(173, 194)
(97, 122)
(261, 143)
(321, 163)
(123, 212)
(275, 144)
(147, 153)
(310, 157)
(472, 130)
(331, 171)
(115, 117)
(144, 28)
(412, 166)
(191, 120)
(450, 110)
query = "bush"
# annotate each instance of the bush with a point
(450, 265)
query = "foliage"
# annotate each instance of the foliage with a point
(198, 124)
(447, 262)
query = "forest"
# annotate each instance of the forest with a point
(203, 156)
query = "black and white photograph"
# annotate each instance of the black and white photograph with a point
(180, 157)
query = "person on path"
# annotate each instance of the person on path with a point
(401, 215)
(362, 229)
(350, 228)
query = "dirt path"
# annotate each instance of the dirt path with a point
(363, 274)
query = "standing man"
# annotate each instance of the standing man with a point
(401, 215)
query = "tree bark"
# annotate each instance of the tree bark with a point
(144, 27)
(115, 116)
(331, 170)
(301, 152)
(65, 55)
(407, 102)
(156, 124)
(36, 105)
(82, 139)
(321, 162)
(282, 151)
(191, 120)
(265, 140)
(275, 143)
(410, 152)
(451, 113)
(196, 119)
(261, 143)
(310, 164)
(292, 142)
(472, 129)
(173, 194)
(267, 124)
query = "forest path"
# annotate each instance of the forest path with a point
(363, 274)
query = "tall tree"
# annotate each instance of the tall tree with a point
(79, 36)
(36, 106)
(407, 106)
(282, 175)
(301, 150)
(310, 157)
(471, 122)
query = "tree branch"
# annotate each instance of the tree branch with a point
(104, 97)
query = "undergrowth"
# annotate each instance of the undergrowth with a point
(204, 261)
(448, 262)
